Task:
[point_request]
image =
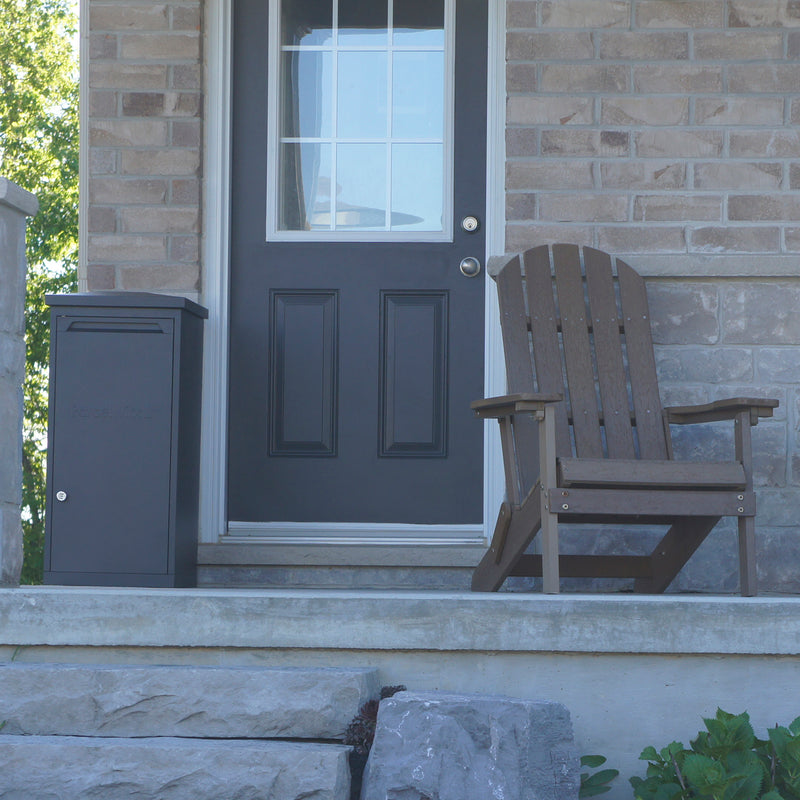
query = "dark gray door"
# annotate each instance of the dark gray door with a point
(356, 343)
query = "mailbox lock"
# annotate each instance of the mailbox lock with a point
(61, 496)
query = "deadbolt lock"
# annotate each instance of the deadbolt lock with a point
(470, 224)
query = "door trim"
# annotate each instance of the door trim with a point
(216, 268)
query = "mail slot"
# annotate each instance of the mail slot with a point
(124, 440)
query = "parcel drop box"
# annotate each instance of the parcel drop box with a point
(124, 440)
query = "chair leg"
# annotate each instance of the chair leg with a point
(550, 572)
(748, 582)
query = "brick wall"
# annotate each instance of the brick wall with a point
(665, 131)
(144, 137)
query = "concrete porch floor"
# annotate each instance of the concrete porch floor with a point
(632, 670)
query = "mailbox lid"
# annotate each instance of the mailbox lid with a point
(123, 300)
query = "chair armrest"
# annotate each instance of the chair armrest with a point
(721, 409)
(508, 404)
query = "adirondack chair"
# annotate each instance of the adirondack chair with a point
(585, 438)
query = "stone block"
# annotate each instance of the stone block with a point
(744, 321)
(179, 278)
(742, 175)
(102, 219)
(586, 14)
(127, 133)
(127, 76)
(771, 77)
(102, 104)
(186, 133)
(640, 175)
(185, 191)
(10, 544)
(184, 248)
(733, 45)
(579, 142)
(684, 313)
(522, 77)
(793, 48)
(794, 176)
(704, 364)
(792, 239)
(521, 206)
(680, 14)
(666, 207)
(521, 142)
(759, 207)
(445, 746)
(183, 161)
(778, 364)
(574, 78)
(186, 18)
(125, 16)
(76, 768)
(188, 702)
(143, 104)
(102, 46)
(645, 111)
(11, 440)
(102, 162)
(583, 207)
(739, 111)
(145, 219)
(101, 277)
(735, 239)
(521, 14)
(555, 110)
(764, 143)
(110, 247)
(12, 359)
(635, 45)
(684, 143)
(127, 191)
(165, 46)
(763, 13)
(566, 174)
(522, 236)
(186, 76)
(543, 45)
(672, 78)
(778, 553)
(642, 239)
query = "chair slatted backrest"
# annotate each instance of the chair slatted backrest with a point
(589, 339)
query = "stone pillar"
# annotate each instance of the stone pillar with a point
(15, 205)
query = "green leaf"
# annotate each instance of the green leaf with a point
(592, 761)
(649, 754)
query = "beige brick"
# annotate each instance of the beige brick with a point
(586, 13)
(522, 142)
(583, 207)
(738, 175)
(521, 14)
(645, 110)
(160, 277)
(641, 239)
(186, 133)
(128, 76)
(143, 104)
(166, 46)
(127, 191)
(124, 16)
(102, 45)
(677, 78)
(759, 207)
(678, 142)
(184, 248)
(674, 207)
(144, 219)
(521, 77)
(765, 144)
(550, 110)
(680, 14)
(521, 236)
(641, 175)
(102, 104)
(648, 46)
(101, 219)
(520, 206)
(739, 110)
(763, 13)
(127, 133)
(127, 248)
(584, 78)
(101, 277)
(186, 18)
(563, 174)
(733, 239)
(185, 191)
(739, 44)
(764, 77)
(102, 162)
(577, 142)
(186, 76)
(539, 45)
(161, 162)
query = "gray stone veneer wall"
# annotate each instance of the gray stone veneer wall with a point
(144, 137)
(15, 205)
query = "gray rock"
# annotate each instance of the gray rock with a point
(74, 768)
(441, 746)
(205, 702)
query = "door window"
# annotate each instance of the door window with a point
(360, 120)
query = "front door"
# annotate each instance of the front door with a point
(358, 188)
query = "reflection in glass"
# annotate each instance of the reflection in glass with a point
(305, 200)
(417, 180)
(361, 186)
(308, 80)
(419, 22)
(363, 22)
(306, 22)
(361, 93)
(418, 95)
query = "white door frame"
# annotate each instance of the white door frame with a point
(216, 264)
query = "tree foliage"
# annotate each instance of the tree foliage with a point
(39, 151)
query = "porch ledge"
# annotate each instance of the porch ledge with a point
(383, 620)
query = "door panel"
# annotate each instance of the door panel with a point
(353, 363)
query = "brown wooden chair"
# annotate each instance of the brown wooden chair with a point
(584, 436)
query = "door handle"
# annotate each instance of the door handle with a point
(470, 266)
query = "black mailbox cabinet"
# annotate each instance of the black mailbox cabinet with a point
(124, 440)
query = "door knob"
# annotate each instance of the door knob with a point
(61, 496)
(470, 266)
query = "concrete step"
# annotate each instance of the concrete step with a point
(182, 701)
(78, 768)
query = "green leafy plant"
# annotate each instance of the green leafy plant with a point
(594, 783)
(725, 762)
